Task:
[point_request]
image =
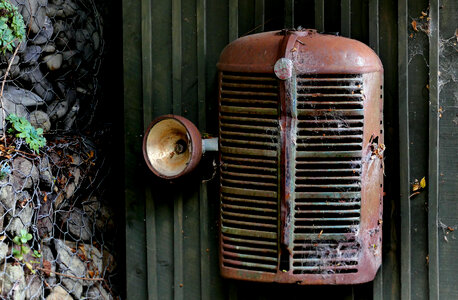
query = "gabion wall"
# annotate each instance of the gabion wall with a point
(56, 229)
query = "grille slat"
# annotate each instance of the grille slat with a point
(328, 174)
(249, 137)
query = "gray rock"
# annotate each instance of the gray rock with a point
(96, 40)
(13, 282)
(45, 33)
(3, 250)
(58, 293)
(57, 109)
(22, 220)
(8, 59)
(70, 190)
(88, 51)
(53, 11)
(24, 174)
(53, 61)
(49, 48)
(32, 54)
(82, 36)
(76, 172)
(41, 85)
(23, 45)
(8, 197)
(40, 119)
(69, 8)
(34, 287)
(59, 26)
(97, 258)
(35, 14)
(71, 116)
(71, 264)
(56, 2)
(21, 97)
(67, 55)
(78, 224)
(45, 218)
(90, 25)
(61, 41)
(44, 169)
(98, 292)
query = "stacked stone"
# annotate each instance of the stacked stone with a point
(52, 79)
(54, 196)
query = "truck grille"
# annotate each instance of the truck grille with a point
(249, 144)
(327, 198)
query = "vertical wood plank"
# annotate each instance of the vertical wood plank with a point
(433, 171)
(136, 281)
(203, 204)
(177, 56)
(345, 18)
(319, 15)
(374, 25)
(289, 14)
(201, 62)
(259, 15)
(377, 290)
(178, 196)
(147, 78)
(404, 143)
(233, 20)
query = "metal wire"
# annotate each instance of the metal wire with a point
(56, 229)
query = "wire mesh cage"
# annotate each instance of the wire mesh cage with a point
(56, 230)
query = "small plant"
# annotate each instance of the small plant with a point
(12, 26)
(21, 241)
(4, 170)
(20, 254)
(23, 129)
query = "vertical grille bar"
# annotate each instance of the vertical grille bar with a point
(249, 136)
(327, 196)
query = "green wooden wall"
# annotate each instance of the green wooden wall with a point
(170, 50)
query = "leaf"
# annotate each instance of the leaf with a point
(414, 25)
(25, 249)
(17, 240)
(23, 240)
(423, 183)
(23, 232)
(28, 236)
(416, 186)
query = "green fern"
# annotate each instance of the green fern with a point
(23, 129)
(12, 27)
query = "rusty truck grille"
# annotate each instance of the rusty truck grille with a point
(249, 143)
(327, 198)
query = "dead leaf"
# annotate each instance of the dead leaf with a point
(423, 183)
(424, 14)
(416, 186)
(414, 25)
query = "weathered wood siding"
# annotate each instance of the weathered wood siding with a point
(170, 51)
